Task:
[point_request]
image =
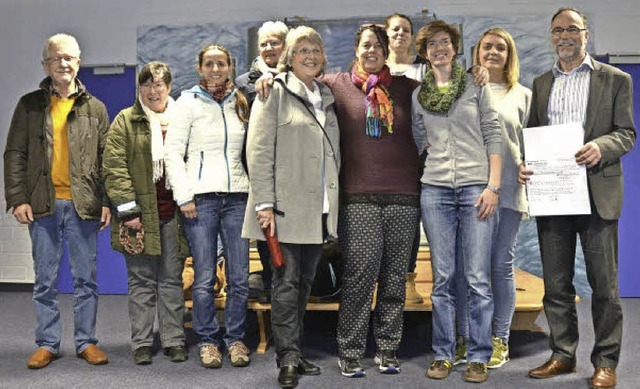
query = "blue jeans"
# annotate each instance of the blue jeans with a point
(449, 214)
(47, 236)
(503, 282)
(219, 214)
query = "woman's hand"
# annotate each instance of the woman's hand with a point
(189, 210)
(263, 85)
(266, 219)
(480, 75)
(488, 203)
(134, 224)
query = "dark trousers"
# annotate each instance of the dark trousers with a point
(265, 260)
(290, 288)
(599, 239)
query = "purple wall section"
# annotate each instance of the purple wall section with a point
(117, 92)
(628, 266)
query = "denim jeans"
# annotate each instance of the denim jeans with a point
(47, 236)
(155, 286)
(503, 282)
(224, 214)
(449, 214)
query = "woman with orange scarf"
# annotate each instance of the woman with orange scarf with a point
(380, 199)
(379, 183)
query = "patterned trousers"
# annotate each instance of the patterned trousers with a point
(376, 242)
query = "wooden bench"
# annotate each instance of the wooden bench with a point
(529, 293)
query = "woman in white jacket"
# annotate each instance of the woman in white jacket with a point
(203, 159)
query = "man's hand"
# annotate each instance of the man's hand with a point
(23, 214)
(589, 155)
(524, 174)
(189, 210)
(480, 75)
(266, 218)
(263, 85)
(105, 219)
(134, 224)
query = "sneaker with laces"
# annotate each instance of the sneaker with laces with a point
(476, 372)
(387, 362)
(351, 367)
(500, 354)
(439, 369)
(239, 354)
(461, 351)
(210, 356)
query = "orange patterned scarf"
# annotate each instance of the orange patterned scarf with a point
(378, 103)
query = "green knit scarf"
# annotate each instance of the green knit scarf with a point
(432, 99)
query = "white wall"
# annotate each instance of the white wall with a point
(106, 31)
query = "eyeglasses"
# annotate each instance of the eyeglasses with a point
(307, 51)
(435, 44)
(154, 85)
(273, 43)
(370, 26)
(571, 30)
(66, 58)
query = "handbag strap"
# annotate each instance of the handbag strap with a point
(304, 104)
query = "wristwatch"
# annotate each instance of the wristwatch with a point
(494, 189)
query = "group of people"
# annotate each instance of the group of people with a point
(360, 156)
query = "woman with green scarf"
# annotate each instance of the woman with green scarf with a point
(456, 124)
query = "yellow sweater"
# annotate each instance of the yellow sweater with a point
(60, 108)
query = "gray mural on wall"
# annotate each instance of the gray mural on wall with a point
(179, 45)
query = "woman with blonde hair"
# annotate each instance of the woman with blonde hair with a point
(496, 51)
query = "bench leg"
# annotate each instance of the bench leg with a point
(526, 321)
(264, 331)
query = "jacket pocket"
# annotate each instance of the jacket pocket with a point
(201, 165)
(612, 170)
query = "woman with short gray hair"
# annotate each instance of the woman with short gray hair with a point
(293, 153)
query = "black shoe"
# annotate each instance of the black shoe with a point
(176, 353)
(265, 297)
(307, 368)
(288, 377)
(142, 355)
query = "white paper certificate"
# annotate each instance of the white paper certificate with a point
(558, 185)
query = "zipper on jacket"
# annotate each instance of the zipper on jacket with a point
(201, 163)
(226, 142)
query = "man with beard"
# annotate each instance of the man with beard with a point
(581, 89)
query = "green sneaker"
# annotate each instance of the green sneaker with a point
(461, 351)
(500, 354)
(142, 355)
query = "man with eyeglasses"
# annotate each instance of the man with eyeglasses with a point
(52, 164)
(599, 96)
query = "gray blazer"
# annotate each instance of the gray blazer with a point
(284, 155)
(609, 123)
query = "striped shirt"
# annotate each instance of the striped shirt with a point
(570, 94)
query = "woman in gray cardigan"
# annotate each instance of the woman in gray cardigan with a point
(496, 51)
(294, 159)
(456, 123)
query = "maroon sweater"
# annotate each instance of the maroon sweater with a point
(388, 165)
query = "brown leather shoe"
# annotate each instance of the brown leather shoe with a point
(552, 368)
(94, 356)
(41, 358)
(603, 377)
